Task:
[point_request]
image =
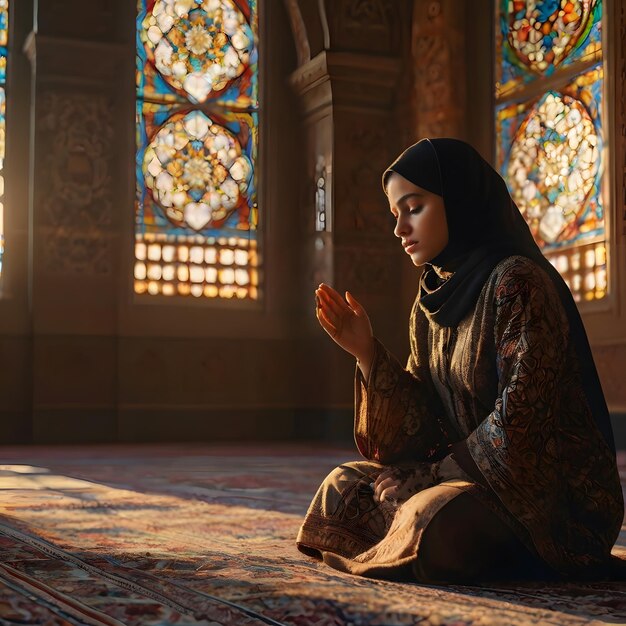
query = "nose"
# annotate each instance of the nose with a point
(402, 226)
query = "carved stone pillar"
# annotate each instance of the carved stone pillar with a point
(438, 52)
(350, 97)
(74, 223)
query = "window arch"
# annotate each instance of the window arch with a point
(197, 144)
(550, 131)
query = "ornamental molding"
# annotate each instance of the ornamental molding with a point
(311, 74)
(298, 29)
(374, 70)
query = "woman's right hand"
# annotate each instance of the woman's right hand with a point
(346, 322)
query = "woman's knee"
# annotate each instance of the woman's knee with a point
(463, 542)
(355, 470)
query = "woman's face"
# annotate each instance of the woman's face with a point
(420, 219)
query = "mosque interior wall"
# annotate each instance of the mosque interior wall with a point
(346, 84)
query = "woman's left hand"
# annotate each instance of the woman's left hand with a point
(400, 483)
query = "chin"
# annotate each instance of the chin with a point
(419, 261)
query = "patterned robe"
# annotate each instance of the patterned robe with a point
(506, 382)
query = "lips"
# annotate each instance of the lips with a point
(410, 246)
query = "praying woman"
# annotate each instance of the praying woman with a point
(490, 456)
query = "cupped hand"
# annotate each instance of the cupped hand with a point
(345, 320)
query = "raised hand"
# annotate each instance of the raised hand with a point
(346, 321)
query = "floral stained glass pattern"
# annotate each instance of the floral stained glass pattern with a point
(195, 170)
(549, 153)
(202, 50)
(4, 35)
(197, 135)
(537, 37)
(550, 142)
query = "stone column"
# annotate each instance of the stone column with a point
(77, 69)
(353, 98)
(15, 322)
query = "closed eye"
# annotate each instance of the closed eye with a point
(416, 210)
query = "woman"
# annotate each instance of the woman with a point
(491, 454)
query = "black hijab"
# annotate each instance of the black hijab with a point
(484, 227)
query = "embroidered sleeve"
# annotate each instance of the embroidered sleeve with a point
(538, 449)
(397, 413)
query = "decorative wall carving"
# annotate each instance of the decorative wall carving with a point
(74, 188)
(438, 61)
(77, 131)
(365, 25)
(366, 14)
(77, 254)
(360, 205)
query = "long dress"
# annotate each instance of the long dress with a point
(505, 386)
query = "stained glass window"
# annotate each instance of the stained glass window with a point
(197, 136)
(550, 139)
(4, 36)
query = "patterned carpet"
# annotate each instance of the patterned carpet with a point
(198, 535)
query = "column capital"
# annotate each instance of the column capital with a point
(347, 79)
(64, 60)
